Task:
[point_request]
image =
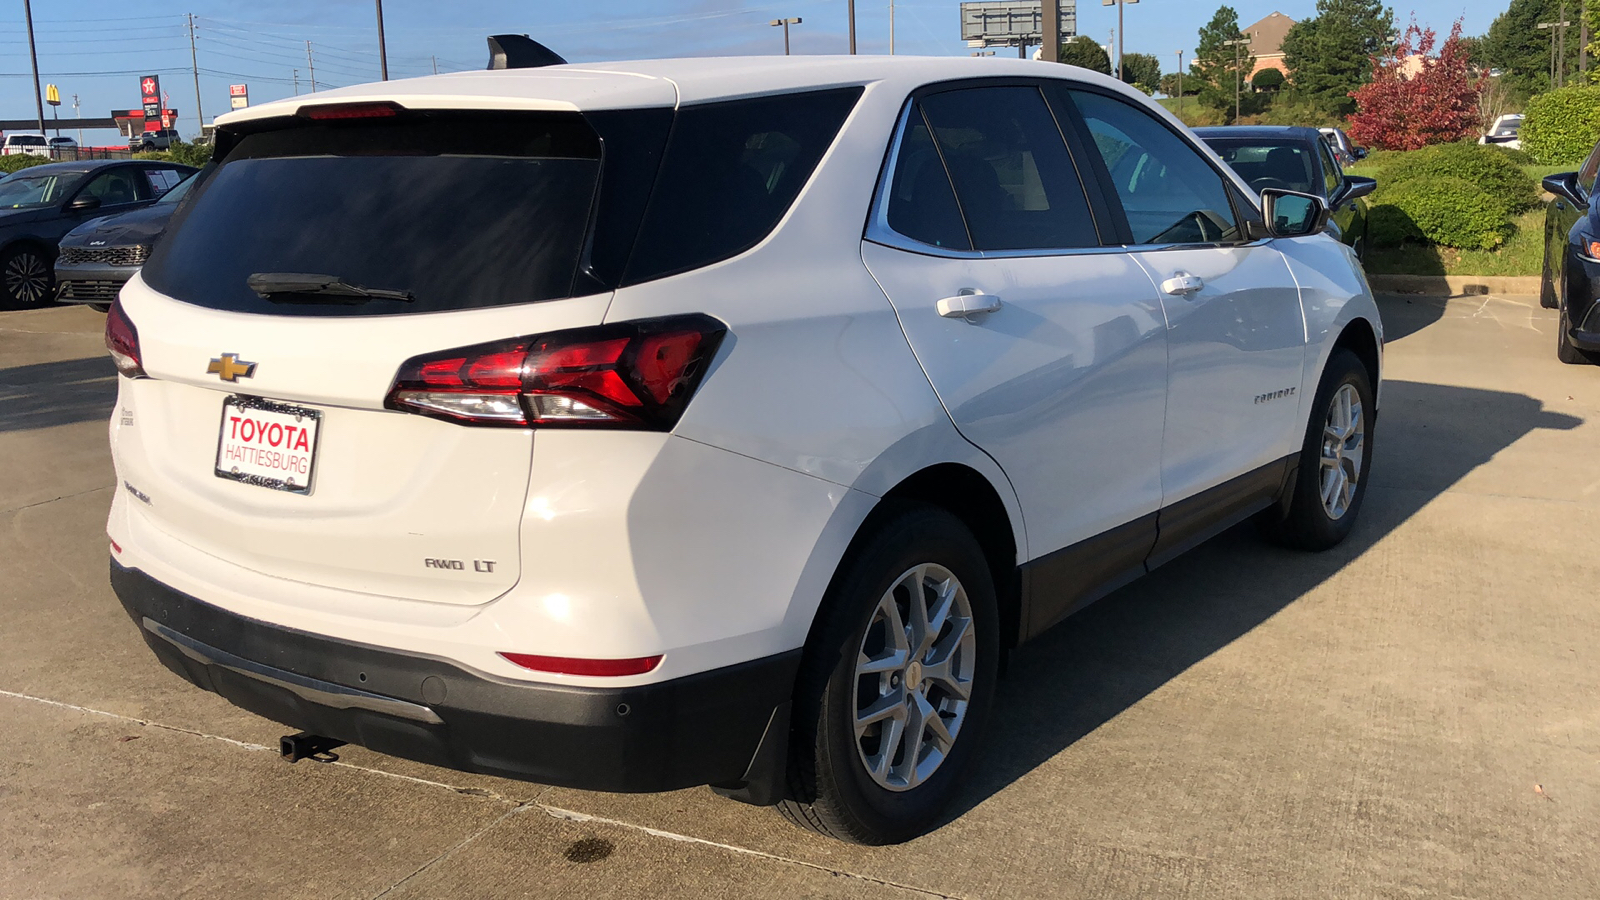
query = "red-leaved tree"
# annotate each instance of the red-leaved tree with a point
(1417, 98)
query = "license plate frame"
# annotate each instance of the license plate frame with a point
(246, 403)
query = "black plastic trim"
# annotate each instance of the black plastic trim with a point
(1191, 522)
(699, 729)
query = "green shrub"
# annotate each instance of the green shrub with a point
(1520, 157)
(1442, 209)
(1562, 126)
(9, 164)
(1268, 79)
(181, 152)
(1490, 170)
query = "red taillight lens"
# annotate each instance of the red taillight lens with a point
(637, 375)
(122, 340)
(351, 111)
(566, 665)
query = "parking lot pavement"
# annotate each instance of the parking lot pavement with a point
(1414, 713)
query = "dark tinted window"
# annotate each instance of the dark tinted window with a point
(114, 187)
(921, 203)
(1016, 184)
(730, 172)
(1269, 164)
(1169, 192)
(1591, 168)
(460, 212)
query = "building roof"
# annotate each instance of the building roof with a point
(1266, 36)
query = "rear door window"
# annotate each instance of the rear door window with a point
(730, 172)
(1015, 182)
(453, 211)
(117, 187)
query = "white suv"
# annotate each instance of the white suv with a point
(654, 424)
(24, 145)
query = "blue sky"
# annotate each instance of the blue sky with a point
(98, 48)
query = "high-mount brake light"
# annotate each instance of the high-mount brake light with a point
(122, 341)
(634, 375)
(350, 111)
(566, 665)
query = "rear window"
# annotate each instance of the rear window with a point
(1284, 165)
(454, 211)
(26, 140)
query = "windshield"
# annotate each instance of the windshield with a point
(29, 191)
(1268, 164)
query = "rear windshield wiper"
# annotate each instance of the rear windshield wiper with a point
(284, 287)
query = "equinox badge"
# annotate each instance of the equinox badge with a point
(230, 368)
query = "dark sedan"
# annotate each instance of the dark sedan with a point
(1571, 276)
(96, 259)
(1297, 159)
(39, 205)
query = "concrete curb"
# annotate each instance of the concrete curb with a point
(1453, 285)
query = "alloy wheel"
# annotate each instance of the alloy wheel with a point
(913, 677)
(1343, 450)
(27, 279)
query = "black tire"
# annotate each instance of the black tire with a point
(1308, 524)
(26, 277)
(830, 789)
(100, 307)
(1565, 352)
(1547, 290)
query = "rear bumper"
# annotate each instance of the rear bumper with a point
(699, 729)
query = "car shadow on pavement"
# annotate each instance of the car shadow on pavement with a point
(43, 395)
(1100, 662)
(1407, 314)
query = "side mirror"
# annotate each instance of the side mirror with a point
(85, 203)
(1565, 186)
(1359, 153)
(1290, 214)
(1355, 187)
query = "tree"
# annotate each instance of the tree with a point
(1142, 70)
(1083, 51)
(1331, 55)
(1417, 98)
(1192, 82)
(1521, 50)
(1268, 79)
(1221, 67)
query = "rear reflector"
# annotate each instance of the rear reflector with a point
(563, 665)
(350, 111)
(115, 547)
(122, 341)
(636, 375)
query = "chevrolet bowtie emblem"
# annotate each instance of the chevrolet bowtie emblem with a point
(230, 368)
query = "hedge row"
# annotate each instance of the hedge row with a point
(1562, 126)
(1455, 195)
(17, 161)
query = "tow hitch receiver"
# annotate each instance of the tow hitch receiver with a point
(305, 745)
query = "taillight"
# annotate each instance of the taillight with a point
(326, 111)
(567, 665)
(636, 375)
(122, 340)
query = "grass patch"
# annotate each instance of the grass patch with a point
(1523, 254)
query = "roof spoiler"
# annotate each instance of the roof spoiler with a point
(518, 51)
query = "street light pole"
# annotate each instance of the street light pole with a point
(1238, 79)
(1120, 29)
(1050, 31)
(1553, 28)
(852, 27)
(785, 23)
(38, 99)
(1180, 85)
(383, 49)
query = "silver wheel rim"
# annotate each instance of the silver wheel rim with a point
(27, 279)
(1343, 448)
(913, 677)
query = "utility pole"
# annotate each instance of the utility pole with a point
(1121, 30)
(311, 67)
(297, 82)
(383, 50)
(1238, 77)
(194, 64)
(785, 23)
(38, 99)
(1180, 85)
(852, 5)
(891, 32)
(435, 64)
(79, 115)
(1050, 31)
(1554, 28)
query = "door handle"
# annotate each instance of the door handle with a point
(1183, 284)
(968, 304)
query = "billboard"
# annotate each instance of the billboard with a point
(1010, 22)
(150, 94)
(238, 96)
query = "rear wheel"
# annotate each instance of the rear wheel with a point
(896, 684)
(1332, 478)
(25, 276)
